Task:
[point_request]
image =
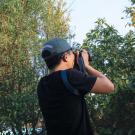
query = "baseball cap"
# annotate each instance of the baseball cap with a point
(55, 47)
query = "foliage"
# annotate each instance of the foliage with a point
(114, 55)
(111, 53)
(130, 11)
(133, 1)
(24, 25)
(55, 20)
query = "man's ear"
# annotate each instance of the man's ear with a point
(64, 58)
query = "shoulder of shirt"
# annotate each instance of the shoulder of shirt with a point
(72, 70)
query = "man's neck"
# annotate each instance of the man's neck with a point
(60, 67)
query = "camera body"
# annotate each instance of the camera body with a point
(79, 62)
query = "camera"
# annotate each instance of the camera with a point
(79, 62)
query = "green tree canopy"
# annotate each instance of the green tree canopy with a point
(24, 25)
(114, 55)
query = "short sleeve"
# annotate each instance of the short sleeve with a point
(84, 83)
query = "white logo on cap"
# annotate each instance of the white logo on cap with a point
(48, 46)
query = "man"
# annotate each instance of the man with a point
(64, 112)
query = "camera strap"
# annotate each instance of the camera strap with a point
(67, 84)
(81, 64)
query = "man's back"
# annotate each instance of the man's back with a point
(65, 113)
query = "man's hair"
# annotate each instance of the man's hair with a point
(53, 62)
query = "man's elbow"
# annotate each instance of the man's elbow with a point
(103, 85)
(111, 88)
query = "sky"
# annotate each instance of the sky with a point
(84, 13)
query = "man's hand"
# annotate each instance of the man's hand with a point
(102, 84)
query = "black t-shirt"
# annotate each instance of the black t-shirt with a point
(65, 113)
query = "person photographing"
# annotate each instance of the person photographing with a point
(61, 92)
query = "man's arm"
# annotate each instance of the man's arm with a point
(102, 84)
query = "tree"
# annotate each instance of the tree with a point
(114, 55)
(55, 20)
(111, 52)
(22, 24)
(130, 11)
